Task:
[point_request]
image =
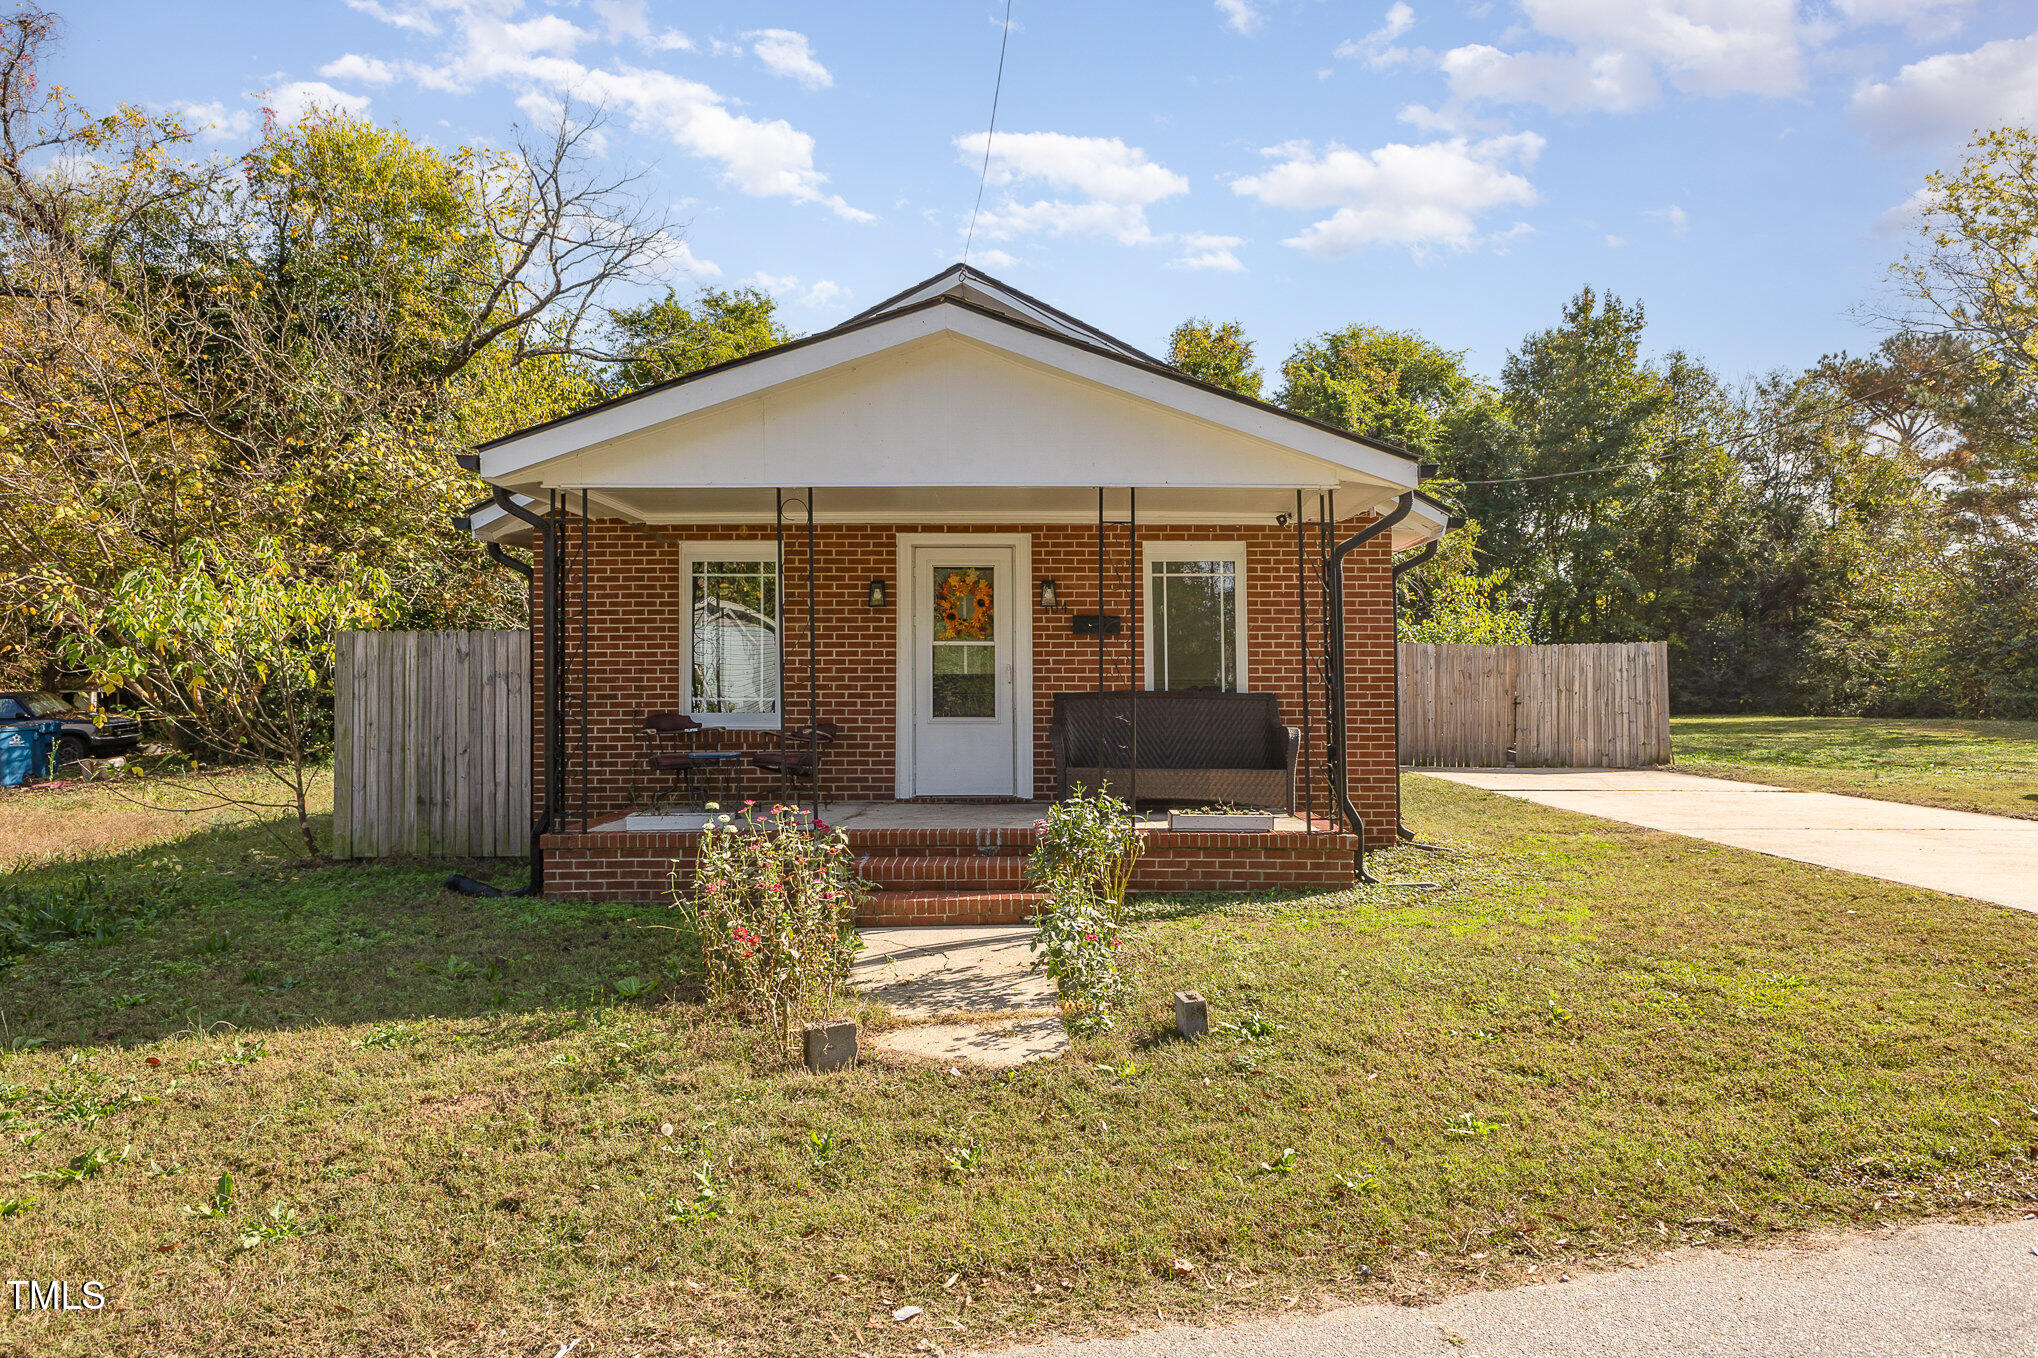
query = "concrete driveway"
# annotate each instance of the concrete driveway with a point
(1937, 1291)
(1991, 858)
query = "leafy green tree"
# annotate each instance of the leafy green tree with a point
(1218, 354)
(1447, 599)
(1392, 384)
(670, 338)
(234, 647)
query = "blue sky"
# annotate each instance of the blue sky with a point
(1740, 166)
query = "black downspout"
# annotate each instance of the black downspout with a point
(1340, 736)
(1401, 568)
(546, 557)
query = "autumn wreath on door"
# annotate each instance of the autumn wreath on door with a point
(963, 606)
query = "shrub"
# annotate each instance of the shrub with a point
(1082, 863)
(772, 905)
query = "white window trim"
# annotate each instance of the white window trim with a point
(1193, 550)
(689, 553)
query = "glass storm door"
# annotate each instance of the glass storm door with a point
(963, 727)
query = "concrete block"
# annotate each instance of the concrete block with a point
(1192, 1014)
(830, 1045)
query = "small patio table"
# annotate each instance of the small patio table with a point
(717, 769)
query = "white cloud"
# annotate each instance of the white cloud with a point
(1673, 216)
(671, 255)
(215, 121)
(1102, 168)
(1611, 82)
(993, 258)
(627, 20)
(788, 54)
(1203, 251)
(1948, 96)
(1116, 184)
(788, 287)
(292, 101)
(417, 20)
(1908, 215)
(362, 70)
(1377, 48)
(1419, 196)
(763, 157)
(1616, 242)
(1614, 55)
(1240, 16)
(1924, 18)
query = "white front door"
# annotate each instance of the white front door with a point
(965, 662)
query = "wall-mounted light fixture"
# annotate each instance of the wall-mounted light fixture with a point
(1050, 595)
(877, 594)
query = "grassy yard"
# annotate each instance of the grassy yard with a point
(1989, 766)
(1594, 1042)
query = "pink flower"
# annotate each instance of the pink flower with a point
(1040, 825)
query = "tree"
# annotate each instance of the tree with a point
(669, 338)
(1973, 276)
(1218, 354)
(1447, 599)
(1392, 384)
(235, 649)
(204, 357)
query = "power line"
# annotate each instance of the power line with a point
(984, 175)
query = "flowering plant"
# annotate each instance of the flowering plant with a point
(773, 901)
(1082, 862)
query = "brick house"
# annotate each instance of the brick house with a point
(919, 527)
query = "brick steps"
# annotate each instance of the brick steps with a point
(907, 872)
(948, 907)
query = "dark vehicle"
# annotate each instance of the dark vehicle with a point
(80, 737)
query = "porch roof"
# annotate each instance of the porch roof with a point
(965, 387)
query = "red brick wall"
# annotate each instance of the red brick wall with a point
(645, 867)
(635, 602)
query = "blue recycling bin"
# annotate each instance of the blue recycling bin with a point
(27, 749)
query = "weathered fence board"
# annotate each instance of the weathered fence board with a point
(1585, 706)
(431, 744)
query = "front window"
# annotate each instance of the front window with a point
(45, 705)
(1195, 636)
(732, 634)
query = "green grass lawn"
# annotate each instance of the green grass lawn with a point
(1594, 1042)
(1989, 766)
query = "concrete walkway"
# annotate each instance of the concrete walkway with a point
(1991, 858)
(970, 991)
(1925, 1292)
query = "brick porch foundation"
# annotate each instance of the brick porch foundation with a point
(959, 876)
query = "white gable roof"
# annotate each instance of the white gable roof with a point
(940, 393)
(980, 289)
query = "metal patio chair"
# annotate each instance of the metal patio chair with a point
(797, 759)
(668, 748)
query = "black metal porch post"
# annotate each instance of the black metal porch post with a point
(1132, 636)
(1100, 599)
(585, 758)
(1302, 609)
(778, 623)
(813, 677)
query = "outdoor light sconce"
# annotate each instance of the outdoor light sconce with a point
(1050, 597)
(877, 594)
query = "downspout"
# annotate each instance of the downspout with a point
(1338, 709)
(545, 555)
(1401, 568)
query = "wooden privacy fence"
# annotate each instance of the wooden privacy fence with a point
(432, 744)
(1589, 706)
